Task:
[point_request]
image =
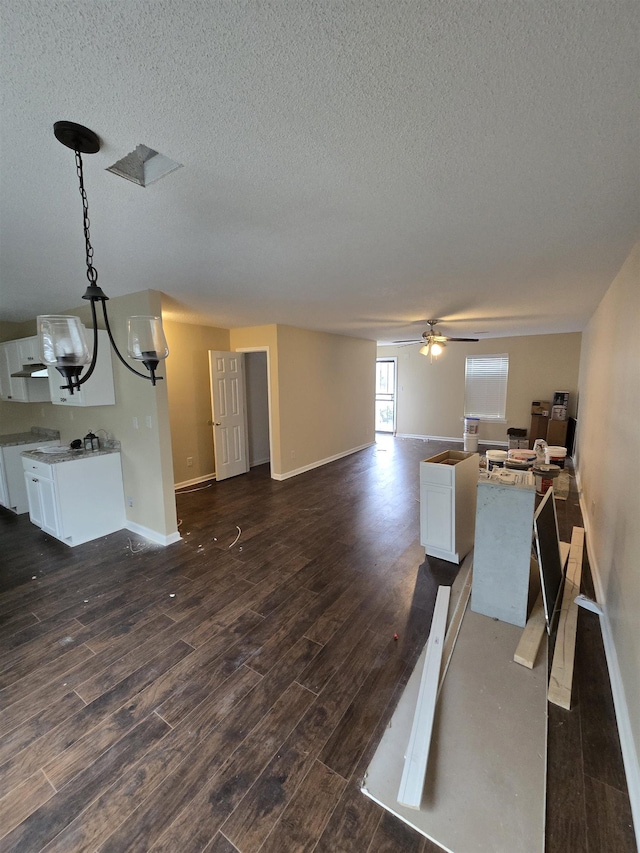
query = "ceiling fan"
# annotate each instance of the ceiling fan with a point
(432, 342)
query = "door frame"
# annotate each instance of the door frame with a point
(394, 359)
(266, 349)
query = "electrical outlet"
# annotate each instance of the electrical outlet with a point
(189, 461)
(129, 501)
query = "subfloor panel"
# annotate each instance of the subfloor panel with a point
(485, 783)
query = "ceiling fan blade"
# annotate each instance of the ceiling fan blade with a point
(470, 340)
(414, 341)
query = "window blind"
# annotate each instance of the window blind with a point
(485, 386)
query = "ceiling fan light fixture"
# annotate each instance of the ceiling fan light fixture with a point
(436, 349)
(424, 350)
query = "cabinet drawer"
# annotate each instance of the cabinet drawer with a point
(440, 475)
(38, 469)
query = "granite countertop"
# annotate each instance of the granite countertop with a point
(68, 455)
(34, 434)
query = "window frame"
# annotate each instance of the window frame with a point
(489, 403)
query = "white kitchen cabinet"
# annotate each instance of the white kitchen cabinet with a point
(13, 494)
(98, 390)
(448, 504)
(77, 499)
(18, 389)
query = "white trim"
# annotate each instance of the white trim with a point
(193, 482)
(449, 438)
(320, 462)
(266, 349)
(623, 718)
(417, 755)
(153, 535)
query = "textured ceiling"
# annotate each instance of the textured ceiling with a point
(349, 165)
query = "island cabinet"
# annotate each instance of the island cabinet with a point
(448, 504)
(75, 499)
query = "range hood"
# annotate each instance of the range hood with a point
(32, 371)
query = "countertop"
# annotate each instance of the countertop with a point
(16, 438)
(67, 455)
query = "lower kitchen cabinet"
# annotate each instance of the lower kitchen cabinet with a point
(75, 500)
(448, 504)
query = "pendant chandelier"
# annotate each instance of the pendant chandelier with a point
(62, 339)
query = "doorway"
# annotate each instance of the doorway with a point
(386, 382)
(258, 404)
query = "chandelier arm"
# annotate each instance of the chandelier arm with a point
(94, 355)
(117, 351)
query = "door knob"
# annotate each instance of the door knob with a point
(217, 423)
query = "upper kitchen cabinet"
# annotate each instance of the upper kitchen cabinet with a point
(98, 390)
(14, 357)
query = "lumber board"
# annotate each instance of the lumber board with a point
(416, 757)
(561, 679)
(527, 649)
(455, 623)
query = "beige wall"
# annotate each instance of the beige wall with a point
(146, 451)
(431, 394)
(609, 466)
(322, 393)
(326, 395)
(187, 372)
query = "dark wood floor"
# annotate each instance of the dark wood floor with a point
(202, 697)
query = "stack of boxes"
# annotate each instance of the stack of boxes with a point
(557, 428)
(550, 420)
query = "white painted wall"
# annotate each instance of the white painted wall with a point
(608, 436)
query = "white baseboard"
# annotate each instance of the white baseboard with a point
(153, 535)
(320, 462)
(449, 438)
(194, 482)
(627, 743)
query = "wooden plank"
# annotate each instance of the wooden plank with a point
(562, 669)
(529, 644)
(415, 763)
(453, 628)
(532, 635)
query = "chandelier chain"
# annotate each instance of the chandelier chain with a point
(92, 273)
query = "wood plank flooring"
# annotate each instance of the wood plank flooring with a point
(207, 697)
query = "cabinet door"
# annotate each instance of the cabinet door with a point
(436, 516)
(98, 390)
(33, 496)
(29, 350)
(13, 388)
(48, 503)
(4, 488)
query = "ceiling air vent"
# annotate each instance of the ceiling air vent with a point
(144, 166)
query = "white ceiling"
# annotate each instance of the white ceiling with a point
(348, 165)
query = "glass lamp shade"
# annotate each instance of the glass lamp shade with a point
(436, 349)
(424, 350)
(62, 341)
(146, 339)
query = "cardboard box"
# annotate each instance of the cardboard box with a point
(561, 398)
(541, 407)
(558, 413)
(538, 428)
(557, 433)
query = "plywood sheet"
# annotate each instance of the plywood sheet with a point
(485, 785)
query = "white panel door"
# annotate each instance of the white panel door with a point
(230, 444)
